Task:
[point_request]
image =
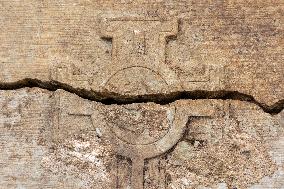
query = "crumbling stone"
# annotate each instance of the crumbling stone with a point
(57, 140)
(133, 94)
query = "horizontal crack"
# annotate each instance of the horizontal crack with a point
(109, 98)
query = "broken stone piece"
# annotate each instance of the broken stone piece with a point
(129, 48)
(59, 140)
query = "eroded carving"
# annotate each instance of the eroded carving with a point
(146, 81)
(69, 74)
(138, 62)
(139, 131)
(67, 115)
(139, 124)
(140, 43)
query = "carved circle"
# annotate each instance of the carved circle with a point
(136, 80)
(140, 124)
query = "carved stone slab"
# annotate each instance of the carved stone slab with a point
(95, 69)
(168, 47)
(59, 140)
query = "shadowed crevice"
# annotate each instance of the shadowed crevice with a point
(109, 98)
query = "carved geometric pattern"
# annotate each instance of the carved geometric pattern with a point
(140, 43)
(179, 114)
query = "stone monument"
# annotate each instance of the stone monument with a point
(136, 94)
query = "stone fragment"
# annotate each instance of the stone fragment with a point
(139, 47)
(59, 140)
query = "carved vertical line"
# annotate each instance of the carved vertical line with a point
(56, 117)
(162, 174)
(137, 177)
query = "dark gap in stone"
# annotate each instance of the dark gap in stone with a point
(109, 98)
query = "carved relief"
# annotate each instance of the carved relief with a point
(139, 132)
(214, 147)
(69, 74)
(138, 48)
(67, 115)
(139, 51)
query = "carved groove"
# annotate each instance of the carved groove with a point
(109, 98)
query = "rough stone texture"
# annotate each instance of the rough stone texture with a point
(140, 47)
(59, 133)
(59, 140)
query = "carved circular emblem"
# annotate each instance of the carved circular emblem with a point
(136, 80)
(140, 124)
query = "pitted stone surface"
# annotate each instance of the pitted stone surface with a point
(59, 140)
(141, 47)
(131, 52)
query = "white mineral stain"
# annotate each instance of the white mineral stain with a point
(170, 116)
(83, 158)
(80, 145)
(99, 133)
(20, 187)
(222, 186)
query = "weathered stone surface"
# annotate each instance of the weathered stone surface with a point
(141, 47)
(59, 140)
(133, 94)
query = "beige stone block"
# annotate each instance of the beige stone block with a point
(140, 47)
(59, 140)
(133, 94)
